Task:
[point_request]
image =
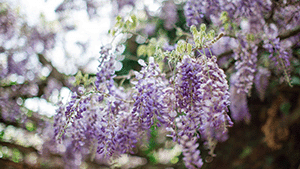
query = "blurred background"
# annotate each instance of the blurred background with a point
(45, 43)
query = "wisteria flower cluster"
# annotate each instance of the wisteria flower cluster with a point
(242, 80)
(191, 106)
(188, 71)
(202, 96)
(278, 54)
(190, 100)
(248, 23)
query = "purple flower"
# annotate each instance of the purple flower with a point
(59, 123)
(261, 82)
(98, 116)
(192, 158)
(149, 30)
(115, 121)
(239, 105)
(186, 128)
(149, 97)
(193, 12)
(202, 96)
(246, 56)
(277, 53)
(169, 48)
(215, 100)
(169, 14)
(122, 3)
(106, 68)
(202, 90)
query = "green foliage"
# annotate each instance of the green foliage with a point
(142, 50)
(203, 39)
(179, 32)
(295, 80)
(16, 156)
(124, 26)
(224, 17)
(152, 145)
(247, 151)
(1, 134)
(225, 20)
(30, 126)
(285, 108)
(83, 79)
(153, 48)
(29, 113)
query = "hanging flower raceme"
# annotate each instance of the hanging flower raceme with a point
(193, 12)
(97, 118)
(188, 141)
(241, 82)
(246, 56)
(239, 105)
(261, 82)
(202, 99)
(215, 99)
(278, 54)
(106, 68)
(202, 92)
(169, 14)
(148, 100)
(113, 121)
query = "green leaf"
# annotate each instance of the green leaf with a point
(179, 32)
(211, 34)
(78, 78)
(150, 50)
(285, 108)
(174, 160)
(224, 17)
(29, 113)
(134, 21)
(152, 41)
(182, 45)
(16, 156)
(1, 134)
(193, 29)
(295, 80)
(127, 25)
(202, 27)
(141, 50)
(30, 126)
(226, 26)
(247, 151)
(112, 32)
(179, 49)
(189, 48)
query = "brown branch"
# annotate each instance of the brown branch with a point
(289, 33)
(15, 124)
(24, 150)
(274, 132)
(51, 157)
(37, 119)
(5, 163)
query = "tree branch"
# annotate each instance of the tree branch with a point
(289, 33)
(24, 150)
